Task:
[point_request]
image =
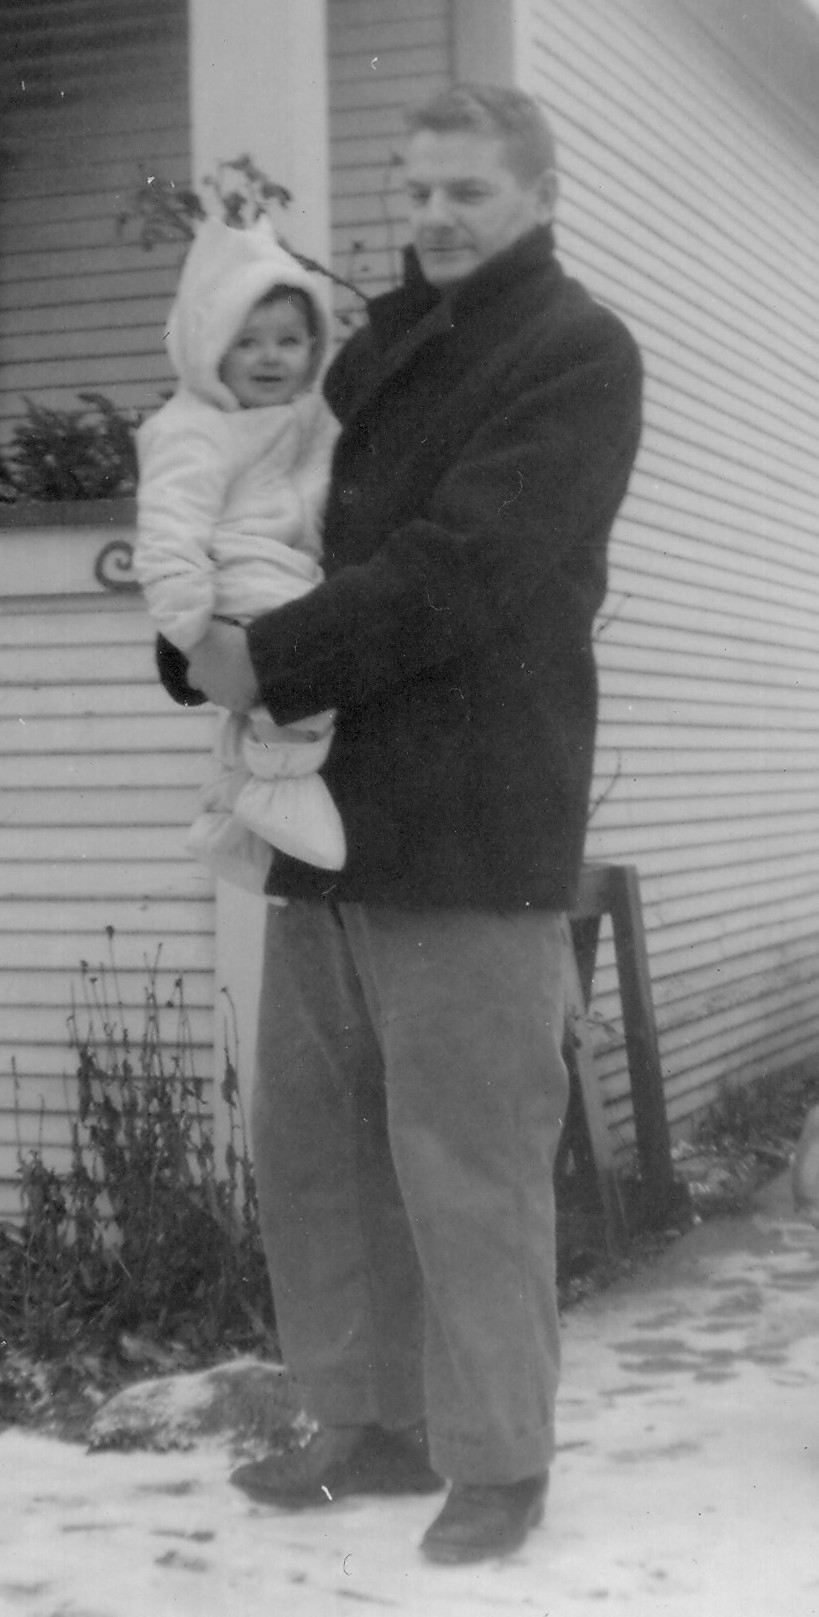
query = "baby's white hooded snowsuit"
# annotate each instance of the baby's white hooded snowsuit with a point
(230, 507)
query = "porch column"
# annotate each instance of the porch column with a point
(258, 85)
(492, 41)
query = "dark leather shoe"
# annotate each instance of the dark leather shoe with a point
(481, 1521)
(338, 1461)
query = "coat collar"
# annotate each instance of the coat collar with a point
(416, 311)
(404, 321)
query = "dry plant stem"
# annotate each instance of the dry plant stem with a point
(145, 1230)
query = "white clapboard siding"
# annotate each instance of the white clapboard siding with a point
(98, 896)
(690, 203)
(382, 59)
(95, 100)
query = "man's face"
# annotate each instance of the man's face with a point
(465, 203)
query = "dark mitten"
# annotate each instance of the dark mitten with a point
(172, 666)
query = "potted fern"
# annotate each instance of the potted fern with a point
(77, 458)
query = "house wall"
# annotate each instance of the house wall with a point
(690, 203)
(99, 775)
(688, 157)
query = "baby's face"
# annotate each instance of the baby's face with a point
(271, 358)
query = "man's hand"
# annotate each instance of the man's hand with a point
(220, 665)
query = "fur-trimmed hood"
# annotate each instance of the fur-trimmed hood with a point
(224, 275)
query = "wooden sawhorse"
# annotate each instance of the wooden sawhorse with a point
(615, 890)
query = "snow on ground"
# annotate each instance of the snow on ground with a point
(687, 1482)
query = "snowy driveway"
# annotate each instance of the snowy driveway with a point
(687, 1483)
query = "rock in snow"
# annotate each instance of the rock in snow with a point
(245, 1406)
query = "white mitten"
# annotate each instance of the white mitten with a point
(297, 816)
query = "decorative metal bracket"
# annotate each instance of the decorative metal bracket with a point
(113, 568)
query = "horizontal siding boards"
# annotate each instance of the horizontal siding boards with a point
(52, 1023)
(98, 786)
(88, 916)
(690, 204)
(380, 62)
(95, 100)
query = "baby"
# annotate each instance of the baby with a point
(233, 478)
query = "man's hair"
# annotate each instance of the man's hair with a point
(498, 112)
(295, 295)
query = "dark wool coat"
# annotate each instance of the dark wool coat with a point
(487, 440)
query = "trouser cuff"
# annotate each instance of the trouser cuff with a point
(465, 1460)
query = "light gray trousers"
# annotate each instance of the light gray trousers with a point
(409, 1099)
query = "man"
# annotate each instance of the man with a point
(411, 1089)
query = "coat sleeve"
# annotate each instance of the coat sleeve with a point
(180, 495)
(516, 528)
